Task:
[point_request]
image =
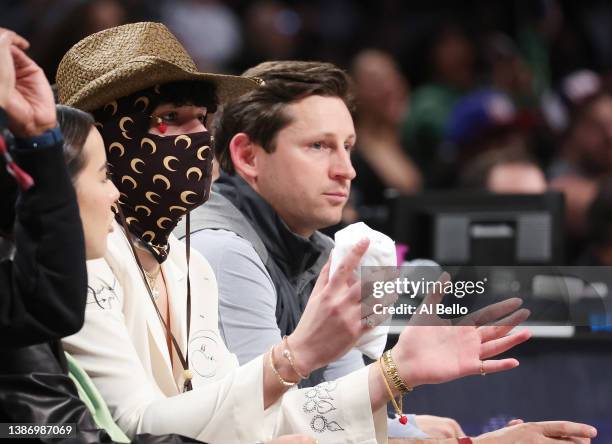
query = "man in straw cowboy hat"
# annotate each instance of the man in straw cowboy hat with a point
(44, 279)
(151, 341)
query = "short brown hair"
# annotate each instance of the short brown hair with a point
(261, 113)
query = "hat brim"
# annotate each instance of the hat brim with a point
(146, 72)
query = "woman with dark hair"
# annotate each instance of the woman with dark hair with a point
(86, 161)
(76, 127)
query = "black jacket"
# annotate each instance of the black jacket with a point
(35, 388)
(43, 287)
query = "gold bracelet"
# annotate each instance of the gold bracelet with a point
(287, 354)
(390, 369)
(399, 409)
(273, 367)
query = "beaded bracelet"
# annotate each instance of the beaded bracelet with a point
(289, 356)
(273, 367)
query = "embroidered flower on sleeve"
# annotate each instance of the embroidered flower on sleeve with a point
(320, 400)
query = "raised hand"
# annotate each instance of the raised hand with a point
(431, 350)
(330, 324)
(7, 67)
(30, 105)
(7, 70)
(333, 319)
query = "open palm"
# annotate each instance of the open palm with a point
(446, 351)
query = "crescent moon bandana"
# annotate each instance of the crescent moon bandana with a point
(160, 178)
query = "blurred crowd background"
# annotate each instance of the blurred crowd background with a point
(505, 96)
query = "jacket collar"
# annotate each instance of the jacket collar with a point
(175, 280)
(291, 252)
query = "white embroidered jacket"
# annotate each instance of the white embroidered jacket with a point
(122, 347)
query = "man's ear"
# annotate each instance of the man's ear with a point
(243, 152)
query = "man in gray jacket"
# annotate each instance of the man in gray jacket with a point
(284, 151)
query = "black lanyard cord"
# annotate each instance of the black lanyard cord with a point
(183, 358)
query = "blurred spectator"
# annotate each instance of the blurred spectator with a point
(538, 27)
(383, 169)
(586, 146)
(598, 249)
(508, 70)
(483, 121)
(505, 171)
(574, 91)
(272, 32)
(209, 30)
(452, 64)
(585, 156)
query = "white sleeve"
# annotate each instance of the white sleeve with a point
(105, 350)
(334, 412)
(229, 410)
(113, 362)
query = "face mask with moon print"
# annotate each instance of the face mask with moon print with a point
(160, 178)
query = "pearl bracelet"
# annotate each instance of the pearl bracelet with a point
(273, 367)
(287, 354)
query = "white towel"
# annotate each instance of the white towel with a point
(381, 252)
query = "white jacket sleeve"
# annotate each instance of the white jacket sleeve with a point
(332, 412)
(116, 351)
(227, 410)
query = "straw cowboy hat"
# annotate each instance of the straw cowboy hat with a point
(119, 61)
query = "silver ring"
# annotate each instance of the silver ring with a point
(482, 372)
(369, 322)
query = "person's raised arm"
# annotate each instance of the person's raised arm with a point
(328, 328)
(46, 281)
(30, 105)
(7, 69)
